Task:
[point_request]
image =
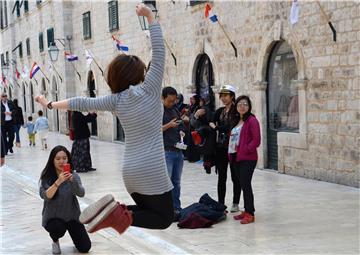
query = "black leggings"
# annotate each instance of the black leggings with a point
(57, 228)
(222, 162)
(152, 211)
(244, 171)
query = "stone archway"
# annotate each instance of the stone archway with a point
(280, 31)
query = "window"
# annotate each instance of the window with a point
(193, 3)
(28, 46)
(113, 15)
(26, 6)
(2, 60)
(50, 36)
(151, 2)
(7, 58)
(17, 8)
(38, 2)
(20, 50)
(3, 14)
(86, 25)
(41, 41)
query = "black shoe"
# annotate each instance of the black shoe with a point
(11, 150)
(81, 171)
(92, 169)
(176, 216)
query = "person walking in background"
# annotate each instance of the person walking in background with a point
(18, 121)
(80, 151)
(192, 153)
(243, 143)
(135, 100)
(173, 133)
(59, 190)
(30, 126)
(7, 126)
(224, 119)
(42, 129)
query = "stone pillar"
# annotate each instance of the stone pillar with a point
(259, 106)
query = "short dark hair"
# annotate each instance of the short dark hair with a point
(248, 113)
(167, 91)
(30, 118)
(40, 112)
(123, 71)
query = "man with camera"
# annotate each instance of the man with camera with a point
(173, 134)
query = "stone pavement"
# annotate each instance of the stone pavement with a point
(293, 214)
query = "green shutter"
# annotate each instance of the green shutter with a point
(20, 50)
(86, 25)
(50, 36)
(26, 6)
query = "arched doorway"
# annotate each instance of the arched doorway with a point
(92, 90)
(204, 79)
(43, 92)
(24, 97)
(55, 113)
(282, 98)
(32, 105)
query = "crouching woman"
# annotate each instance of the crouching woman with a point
(61, 209)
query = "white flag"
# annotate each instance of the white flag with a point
(294, 13)
(25, 72)
(89, 58)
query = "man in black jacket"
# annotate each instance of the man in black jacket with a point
(80, 151)
(7, 126)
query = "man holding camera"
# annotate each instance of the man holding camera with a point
(173, 134)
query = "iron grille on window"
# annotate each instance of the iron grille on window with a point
(41, 42)
(50, 36)
(86, 25)
(2, 60)
(7, 58)
(113, 15)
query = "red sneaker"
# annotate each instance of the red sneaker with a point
(240, 216)
(114, 215)
(248, 218)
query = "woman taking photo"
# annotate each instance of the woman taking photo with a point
(61, 209)
(243, 143)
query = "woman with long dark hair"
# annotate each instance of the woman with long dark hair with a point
(135, 100)
(18, 121)
(244, 140)
(61, 210)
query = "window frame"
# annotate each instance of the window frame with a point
(41, 41)
(28, 51)
(87, 21)
(113, 22)
(50, 31)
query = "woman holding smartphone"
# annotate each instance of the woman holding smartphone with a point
(59, 187)
(135, 92)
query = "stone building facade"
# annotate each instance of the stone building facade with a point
(305, 87)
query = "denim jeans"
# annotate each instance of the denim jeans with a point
(174, 164)
(17, 132)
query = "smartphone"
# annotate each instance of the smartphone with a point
(66, 168)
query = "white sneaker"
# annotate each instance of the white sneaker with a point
(56, 247)
(235, 208)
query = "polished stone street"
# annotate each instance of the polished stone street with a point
(293, 215)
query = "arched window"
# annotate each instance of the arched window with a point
(204, 79)
(283, 101)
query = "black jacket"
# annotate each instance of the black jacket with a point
(11, 107)
(80, 126)
(17, 114)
